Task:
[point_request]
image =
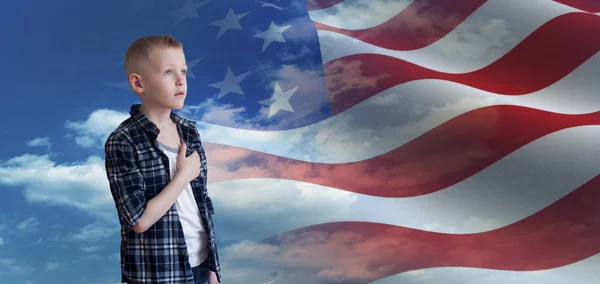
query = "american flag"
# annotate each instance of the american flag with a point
(446, 141)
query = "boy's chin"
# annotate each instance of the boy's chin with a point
(177, 105)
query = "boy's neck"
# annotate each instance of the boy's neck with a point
(159, 116)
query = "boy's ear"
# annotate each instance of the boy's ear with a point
(135, 83)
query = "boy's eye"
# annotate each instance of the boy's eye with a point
(183, 71)
(168, 72)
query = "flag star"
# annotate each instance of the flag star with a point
(265, 4)
(230, 21)
(231, 83)
(274, 33)
(280, 100)
(189, 10)
(191, 65)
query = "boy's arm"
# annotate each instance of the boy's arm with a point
(127, 188)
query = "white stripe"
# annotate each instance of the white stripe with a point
(581, 272)
(519, 185)
(359, 14)
(496, 28)
(401, 114)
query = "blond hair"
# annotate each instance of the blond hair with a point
(139, 51)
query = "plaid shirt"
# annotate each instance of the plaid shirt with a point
(138, 170)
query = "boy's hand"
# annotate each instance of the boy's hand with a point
(188, 167)
(212, 278)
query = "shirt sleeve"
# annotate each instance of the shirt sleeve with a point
(125, 180)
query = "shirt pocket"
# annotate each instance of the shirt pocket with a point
(154, 172)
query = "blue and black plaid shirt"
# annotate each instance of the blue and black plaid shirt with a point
(137, 171)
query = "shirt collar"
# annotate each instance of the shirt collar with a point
(149, 126)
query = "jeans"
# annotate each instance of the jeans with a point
(201, 273)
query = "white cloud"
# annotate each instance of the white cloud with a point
(307, 257)
(255, 209)
(92, 133)
(13, 266)
(40, 142)
(472, 223)
(1, 241)
(93, 233)
(51, 266)
(79, 184)
(211, 110)
(88, 249)
(361, 14)
(478, 39)
(29, 225)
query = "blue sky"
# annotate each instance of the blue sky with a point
(63, 64)
(63, 91)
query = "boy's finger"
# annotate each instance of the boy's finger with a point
(182, 148)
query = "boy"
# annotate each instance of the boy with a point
(156, 168)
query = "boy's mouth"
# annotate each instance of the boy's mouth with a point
(179, 94)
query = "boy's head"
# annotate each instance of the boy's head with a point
(156, 70)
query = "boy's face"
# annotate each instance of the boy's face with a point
(164, 78)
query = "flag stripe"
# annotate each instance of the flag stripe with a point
(592, 6)
(400, 114)
(321, 4)
(365, 14)
(452, 54)
(466, 207)
(412, 171)
(438, 18)
(581, 272)
(440, 158)
(537, 62)
(561, 234)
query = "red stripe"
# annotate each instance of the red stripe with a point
(441, 157)
(420, 24)
(321, 4)
(592, 6)
(560, 234)
(543, 58)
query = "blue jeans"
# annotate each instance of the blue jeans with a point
(201, 273)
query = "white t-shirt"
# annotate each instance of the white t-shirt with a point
(189, 215)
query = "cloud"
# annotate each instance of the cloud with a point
(211, 110)
(82, 185)
(29, 225)
(93, 132)
(1, 241)
(360, 14)
(478, 39)
(88, 249)
(93, 233)
(309, 257)
(472, 223)
(40, 142)
(255, 209)
(13, 266)
(51, 266)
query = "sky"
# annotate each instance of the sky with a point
(304, 137)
